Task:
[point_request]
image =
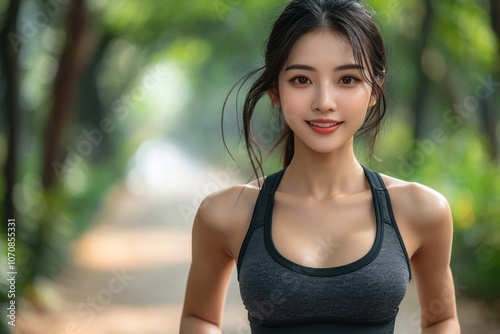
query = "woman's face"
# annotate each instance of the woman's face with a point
(322, 94)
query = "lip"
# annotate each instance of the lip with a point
(324, 130)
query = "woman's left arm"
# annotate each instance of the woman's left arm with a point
(431, 263)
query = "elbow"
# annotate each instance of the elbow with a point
(446, 326)
(191, 324)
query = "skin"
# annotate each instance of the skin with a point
(324, 180)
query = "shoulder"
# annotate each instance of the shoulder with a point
(227, 212)
(223, 204)
(427, 221)
(420, 206)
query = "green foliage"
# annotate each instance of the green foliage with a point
(466, 34)
(200, 48)
(459, 167)
(472, 185)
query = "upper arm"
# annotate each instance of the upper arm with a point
(211, 266)
(431, 261)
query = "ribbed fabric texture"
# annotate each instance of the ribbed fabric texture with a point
(361, 297)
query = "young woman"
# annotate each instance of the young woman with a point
(325, 245)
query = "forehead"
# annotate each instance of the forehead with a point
(321, 47)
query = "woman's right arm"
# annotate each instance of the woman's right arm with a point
(210, 271)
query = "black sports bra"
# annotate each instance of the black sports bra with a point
(360, 297)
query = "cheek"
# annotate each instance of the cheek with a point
(357, 100)
(294, 104)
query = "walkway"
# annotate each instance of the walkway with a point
(128, 272)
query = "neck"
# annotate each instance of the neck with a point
(324, 175)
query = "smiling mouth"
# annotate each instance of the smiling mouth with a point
(324, 125)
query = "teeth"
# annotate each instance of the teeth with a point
(324, 125)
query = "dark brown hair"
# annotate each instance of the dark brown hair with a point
(348, 18)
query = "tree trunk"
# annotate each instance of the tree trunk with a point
(422, 82)
(495, 16)
(9, 69)
(72, 63)
(90, 108)
(73, 60)
(490, 114)
(488, 120)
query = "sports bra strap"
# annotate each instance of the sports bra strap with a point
(272, 181)
(259, 213)
(269, 187)
(381, 192)
(386, 207)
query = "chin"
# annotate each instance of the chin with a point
(329, 149)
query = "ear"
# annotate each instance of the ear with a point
(373, 101)
(274, 96)
(373, 98)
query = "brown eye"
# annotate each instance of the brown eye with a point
(348, 80)
(300, 80)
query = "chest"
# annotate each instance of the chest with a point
(370, 288)
(323, 234)
(332, 261)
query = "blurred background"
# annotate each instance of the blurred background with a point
(110, 137)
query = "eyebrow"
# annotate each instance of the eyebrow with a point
(338, 68)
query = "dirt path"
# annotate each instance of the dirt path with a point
(129, 271)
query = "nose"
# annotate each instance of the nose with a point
(324, 100)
